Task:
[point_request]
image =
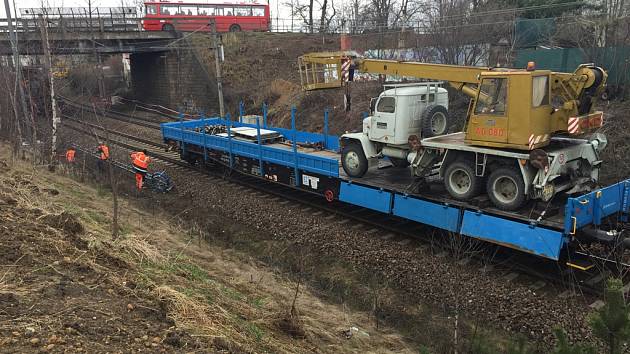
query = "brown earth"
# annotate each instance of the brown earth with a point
(262, 67)
(66, 286)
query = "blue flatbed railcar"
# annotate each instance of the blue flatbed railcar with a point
(310, 161)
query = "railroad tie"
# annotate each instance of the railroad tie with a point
(318, 213)
(330, 217)
(510, 276)
(285, 202)
(372, 231)
(596, 279)
(567, 294)
(597, 305)
(404, 242)
(464, 261)
(356, 226)
(538, 285)
(487, 268)
(388, 236)
(343, 221)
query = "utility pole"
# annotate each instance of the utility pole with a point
(53, 102)
(18, 70)
(218, 55)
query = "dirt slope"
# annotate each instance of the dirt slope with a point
(66, 286)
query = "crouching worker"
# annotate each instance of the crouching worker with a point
(70, 154)
(140, 162)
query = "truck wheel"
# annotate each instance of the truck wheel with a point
(353, 160)
(399, 163)
(506, 188)
(460, 181)
(434, 120)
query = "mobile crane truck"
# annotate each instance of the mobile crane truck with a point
(524, 136)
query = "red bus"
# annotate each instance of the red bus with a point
(189, 17)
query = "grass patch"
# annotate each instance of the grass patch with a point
(232, 293)
(96, 216)
(259, 302)
(255, 331)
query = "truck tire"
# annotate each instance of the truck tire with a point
(434, 120)
(461, 182)
(353, 160)
(506, 188)
(399, 163)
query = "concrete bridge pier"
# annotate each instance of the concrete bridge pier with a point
(175, 79)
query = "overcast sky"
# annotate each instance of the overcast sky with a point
(284, 12)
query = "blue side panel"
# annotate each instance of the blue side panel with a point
(527, 238)
(366, 197)
(592, 207)
(433, 214)
(181, 131)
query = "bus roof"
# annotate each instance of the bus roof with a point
(205, 3)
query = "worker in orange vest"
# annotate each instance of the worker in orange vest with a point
(70, 152)
(103, 151)
(140, 162)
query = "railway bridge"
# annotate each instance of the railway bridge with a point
(164, 67)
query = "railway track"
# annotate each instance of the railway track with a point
(508, 266)
(120, 116)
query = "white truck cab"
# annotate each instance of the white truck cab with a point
(400, 112)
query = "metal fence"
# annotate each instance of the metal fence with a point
(299, 25)
(106, 19)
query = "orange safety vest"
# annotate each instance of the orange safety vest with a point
(70, 155)
(140, 160)
(104, 152)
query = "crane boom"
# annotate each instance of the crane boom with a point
(455, 73)
(325, 70)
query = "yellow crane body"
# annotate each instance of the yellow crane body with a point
(510, 108)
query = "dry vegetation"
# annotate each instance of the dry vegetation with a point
(66, 286)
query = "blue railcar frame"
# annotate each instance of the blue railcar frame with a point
(528, 236)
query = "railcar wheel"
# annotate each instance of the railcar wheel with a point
(461, 182)
(506, 188)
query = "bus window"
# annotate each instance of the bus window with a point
(242, 11)
(169, 9)
(204, 10)
(151, 10)
(228, 11)
(258, 11)
(217, 11)
(188, 10)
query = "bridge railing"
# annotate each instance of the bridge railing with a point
(70, 19)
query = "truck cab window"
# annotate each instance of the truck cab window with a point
(386, 104)
(492, 97)
(540, 91)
